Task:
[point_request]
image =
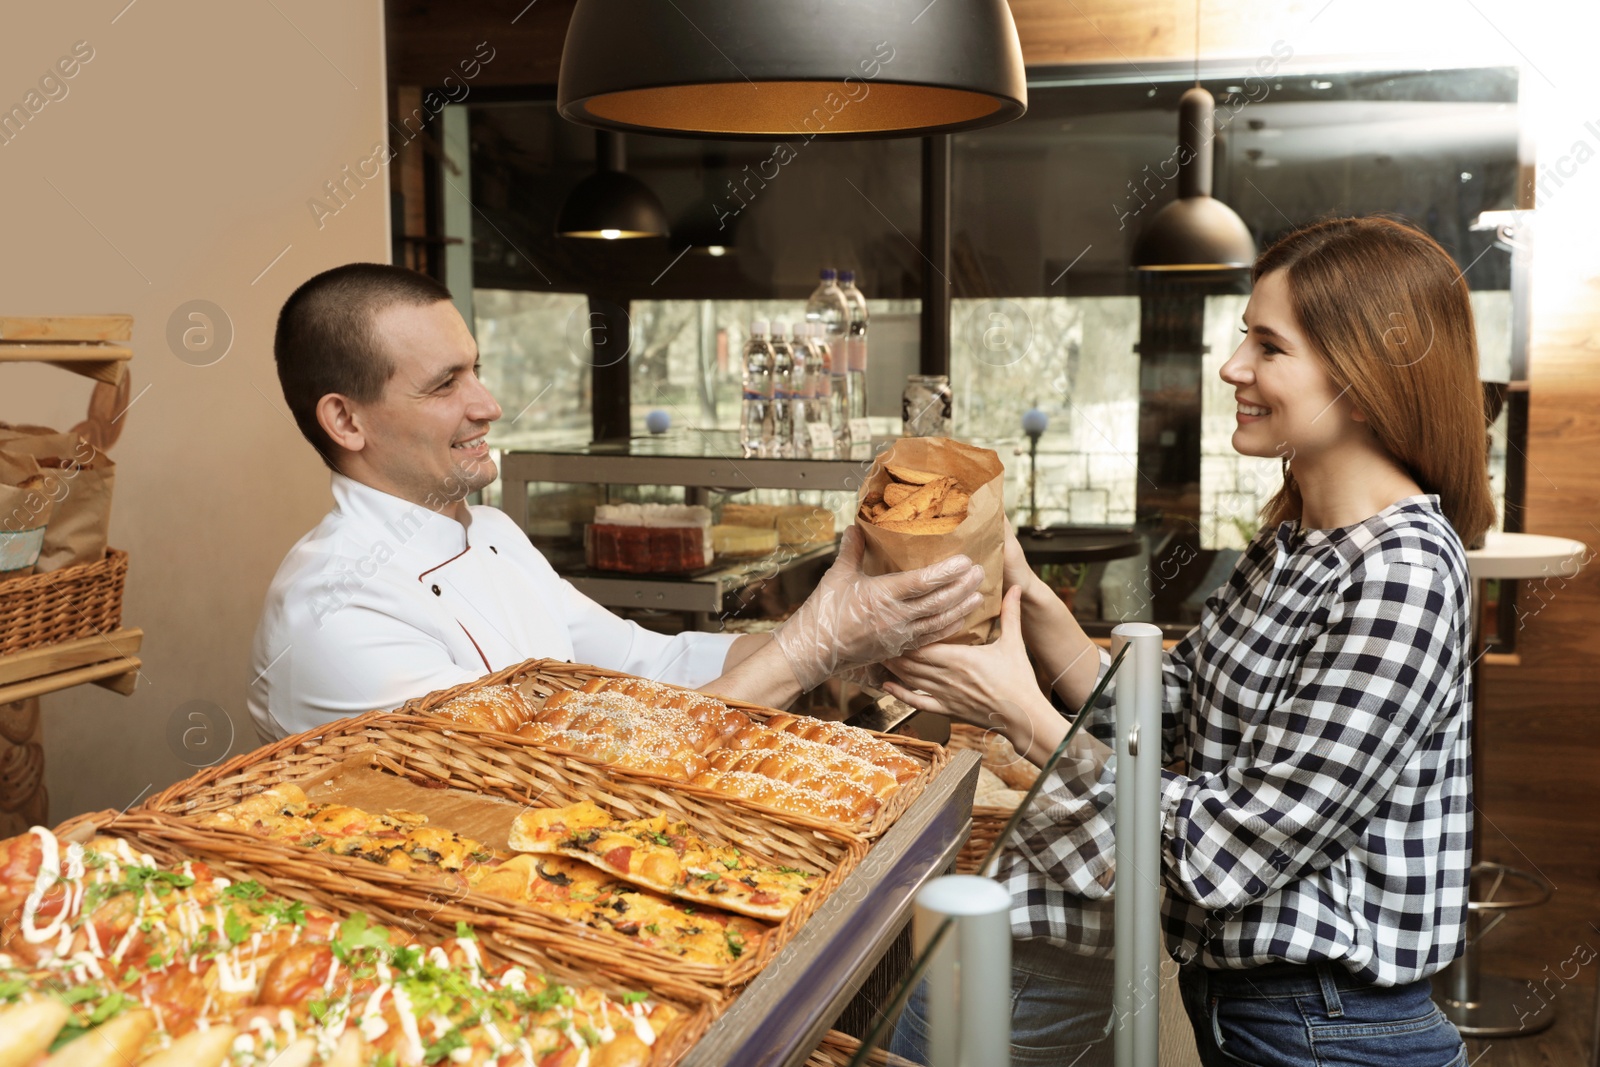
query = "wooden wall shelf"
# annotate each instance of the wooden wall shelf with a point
(95, 347)
(102, 362)
(82, 344)
(107, 660)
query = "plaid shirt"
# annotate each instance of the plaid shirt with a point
(1322, 708)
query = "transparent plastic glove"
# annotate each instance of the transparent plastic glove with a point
(852, 620)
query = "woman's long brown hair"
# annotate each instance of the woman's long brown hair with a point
(1388, 311)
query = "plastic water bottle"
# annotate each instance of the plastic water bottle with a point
(783, 404)
(855, 343)
(828, 308)
(802, 389)
(823, 403)
(756, 418)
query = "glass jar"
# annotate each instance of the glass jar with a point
(925, 406)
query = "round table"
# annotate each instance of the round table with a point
(1078, 544)
(1486, 1005)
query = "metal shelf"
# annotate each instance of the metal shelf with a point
(703, 593)
(781, 1016)
(703, 460)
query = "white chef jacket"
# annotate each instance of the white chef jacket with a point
(388, 600)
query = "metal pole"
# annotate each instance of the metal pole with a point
(936, 292)
(610, 374)
(969, 978)
(1138, 812)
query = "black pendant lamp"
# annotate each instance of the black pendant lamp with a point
(611, 204)
(699, 232)
(1196, 232)
(830, 68)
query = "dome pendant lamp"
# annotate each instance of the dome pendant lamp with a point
(1196, 232)
(610, 204)
(832, 68)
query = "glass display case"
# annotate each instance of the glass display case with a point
(552, 492)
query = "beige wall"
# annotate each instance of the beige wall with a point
(187, 147)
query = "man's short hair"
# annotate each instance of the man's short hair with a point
(326, 341)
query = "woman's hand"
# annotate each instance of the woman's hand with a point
(1017, 571)
(991, 685)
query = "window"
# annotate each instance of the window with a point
(1047, 312)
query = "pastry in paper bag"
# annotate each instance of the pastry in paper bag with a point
(930, 498)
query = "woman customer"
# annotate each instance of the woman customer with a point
(1316, 846)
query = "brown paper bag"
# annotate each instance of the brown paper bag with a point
(981, 536)
(79, 479)
(25, 512)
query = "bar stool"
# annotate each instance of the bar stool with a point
(1485, 1005)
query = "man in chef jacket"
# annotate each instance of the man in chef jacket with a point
(403, 588)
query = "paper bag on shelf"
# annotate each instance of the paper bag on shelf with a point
(25, 511)
(79, 479)
(980, 533)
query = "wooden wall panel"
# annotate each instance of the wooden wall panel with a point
(1106, 31)
(429, 38)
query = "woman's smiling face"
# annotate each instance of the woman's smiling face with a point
(1287, 403)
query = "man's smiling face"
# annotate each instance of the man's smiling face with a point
(425, 438)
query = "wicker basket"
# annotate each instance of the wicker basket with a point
(987, 822)
(167, 842)
(79, 601)
(432, 752)
(839, 1049)
(539, 678)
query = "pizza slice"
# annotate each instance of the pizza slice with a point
(666, 856)
(558, 887)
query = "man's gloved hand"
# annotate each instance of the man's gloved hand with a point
(851, 620)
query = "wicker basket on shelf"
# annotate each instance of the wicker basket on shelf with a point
(84, 600)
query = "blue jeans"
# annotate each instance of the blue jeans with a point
(1286, 1015)
(1060, 1005)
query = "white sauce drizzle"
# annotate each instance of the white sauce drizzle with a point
(469, 949)
(49, 873)
(263, 1029)
(233, 976)
(373, 1025)
(408, 1022)
(641, 1026)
